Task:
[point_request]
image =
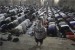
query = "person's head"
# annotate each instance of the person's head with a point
(40, 20)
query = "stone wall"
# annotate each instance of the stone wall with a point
(20, 2)
(67, 3)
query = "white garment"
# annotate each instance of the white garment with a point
(13, 10)
(1, 15)
(19, 28)
(31, 29)
(25, 24)
(8, 19)
(23, 27)
(16, 22)
(63, 15)
(2, 18)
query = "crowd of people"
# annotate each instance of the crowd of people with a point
(39, 23)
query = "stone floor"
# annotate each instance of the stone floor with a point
(28, 43)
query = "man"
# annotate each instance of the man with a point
(39, 32)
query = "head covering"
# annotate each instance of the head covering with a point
(39, 18)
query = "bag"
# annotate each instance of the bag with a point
(9, 37)
(15, 40)
(1, 43)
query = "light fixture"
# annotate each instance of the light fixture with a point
(56, 1)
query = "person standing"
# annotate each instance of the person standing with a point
(39, 32)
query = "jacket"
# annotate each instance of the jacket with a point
(39, 32)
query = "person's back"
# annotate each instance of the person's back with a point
(39, 33)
